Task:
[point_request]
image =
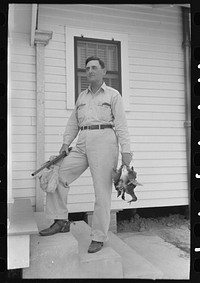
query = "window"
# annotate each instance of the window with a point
(116, 45)
(107, 50)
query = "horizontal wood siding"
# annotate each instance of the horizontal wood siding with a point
(23, 112)
(156, 119)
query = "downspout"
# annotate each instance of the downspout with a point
(41, 39)
(187, 72)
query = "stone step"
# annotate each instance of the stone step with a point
(104, 264)
(21, 224)
(64, 255)
(133, 264)
(55, 256)
(168, 258)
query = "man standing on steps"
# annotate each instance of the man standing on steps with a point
(100, 120)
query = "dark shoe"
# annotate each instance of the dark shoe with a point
(59, 226)
(95, 247)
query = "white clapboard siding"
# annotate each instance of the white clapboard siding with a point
(23, 59)
(23, 76)
(157, 163)
(58, 79)
(158, 139)
(156, 119)
(143, 196)
(168, 72)
(52, 96)
(24, 68)
(150, 108)
(157, 131)
(144, 115)
(23, 147)
(155, 124)
(158, 93)
(57, 113)
(49, 70)
(23, 94)
(55, 62)
(19, 193)
(157, 101)
(24, 183)
(54, 87)
(21, 130)
(170, 65)
(23, 166)
(157, 104)
(25, 138)
(23, 112)
(155, 85)
(21, 121)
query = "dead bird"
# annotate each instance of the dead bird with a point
(125, 181)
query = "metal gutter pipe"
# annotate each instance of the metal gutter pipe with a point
(187, 72)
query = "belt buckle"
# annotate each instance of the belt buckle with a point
(99, 127)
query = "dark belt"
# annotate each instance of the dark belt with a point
(95, 127)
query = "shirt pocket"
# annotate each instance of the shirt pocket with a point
(104, 111)
(81, 112)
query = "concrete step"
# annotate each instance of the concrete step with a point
(64, 255)
(133, 264)
(104, 264)
(55, 256)
(21, 224)
(168, 258)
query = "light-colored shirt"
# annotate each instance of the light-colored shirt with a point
(103, 107)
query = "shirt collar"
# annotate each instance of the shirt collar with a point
(103, 87)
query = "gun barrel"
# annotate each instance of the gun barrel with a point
(40, 169)
(49, 163)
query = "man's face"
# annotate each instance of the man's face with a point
(94, 72)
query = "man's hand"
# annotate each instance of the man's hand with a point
(64, 147)
(126, 158)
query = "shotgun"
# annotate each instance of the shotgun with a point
(51, 162)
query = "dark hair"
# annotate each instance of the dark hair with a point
(101, 63)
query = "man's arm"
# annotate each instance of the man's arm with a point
(71, 131)
(121, 128)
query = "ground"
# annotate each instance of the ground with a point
(161, 236)
(174, 229)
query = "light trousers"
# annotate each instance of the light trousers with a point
(99, 150)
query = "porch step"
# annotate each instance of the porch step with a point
(104, 264)
(133, 264)
(21, 224)
(64, 255)
(53, 256)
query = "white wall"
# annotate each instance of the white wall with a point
(156, 122)
(23, 111)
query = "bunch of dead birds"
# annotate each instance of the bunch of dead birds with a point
(125, 181)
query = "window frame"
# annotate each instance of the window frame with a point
(101, 41)
(70, 33)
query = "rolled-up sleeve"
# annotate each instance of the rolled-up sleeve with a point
(120, 123)
(71, 129)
